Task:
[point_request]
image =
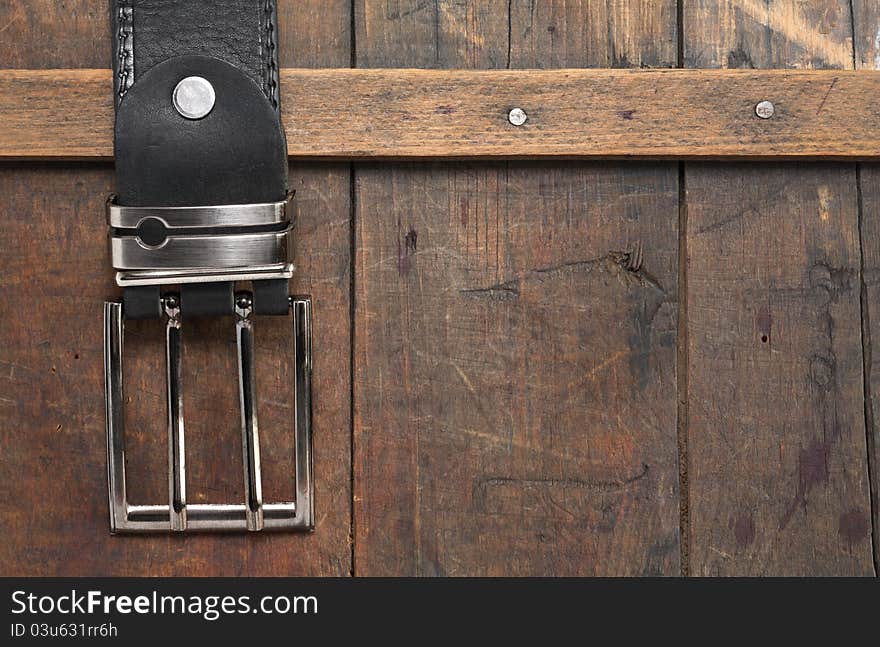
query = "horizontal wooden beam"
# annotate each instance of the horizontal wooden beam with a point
(350, 114)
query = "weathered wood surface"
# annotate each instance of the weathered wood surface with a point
(870, 229)
(419, 114)
(42, 34)
(56, 274)
(866, 38)
(515, 334)
(866, 20)
(515, 331)
(777, 464)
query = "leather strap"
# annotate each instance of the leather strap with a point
(237, 154)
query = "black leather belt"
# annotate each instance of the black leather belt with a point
(201, 204)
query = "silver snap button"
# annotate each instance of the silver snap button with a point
(194, 97)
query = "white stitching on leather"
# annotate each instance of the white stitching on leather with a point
(125, 48)
(270, 70)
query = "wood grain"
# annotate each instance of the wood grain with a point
(870, 231)
(419, 114)
(75, 33)
(592, 34)
(57, 269)
(428, 35)
(515, 327)
(757, 34)
(516, 322)
(866, 21)
(777, 474)
(777, 467)
(43, 34)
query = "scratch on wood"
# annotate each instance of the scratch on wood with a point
(621, 263)
(9, 24)
(629, 261)
(591, 374)
(584, 264)
(825, 98)
(750, 210)
(575, 483)
(465, 379)
(507, 443)
(719, 552)
(14, 369)
(499, 291)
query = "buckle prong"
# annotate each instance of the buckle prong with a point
(176, 439)
(250, 431)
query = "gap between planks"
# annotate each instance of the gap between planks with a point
(395, 114)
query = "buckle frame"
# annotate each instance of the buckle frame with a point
(177, 516)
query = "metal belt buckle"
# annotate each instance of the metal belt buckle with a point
(185, 231)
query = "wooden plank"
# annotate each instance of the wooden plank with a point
(866, 22)
(57, 272)
(515, 327)
(431, 34)
(418, 114)
(870, 230)
(44, 34)
(777, 467)
(75, 33)
(593, 34)
(754, 34)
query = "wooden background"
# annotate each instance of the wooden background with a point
(522, 368)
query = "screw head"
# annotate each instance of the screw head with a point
(194, 97)
(765, 109)
(517, 117)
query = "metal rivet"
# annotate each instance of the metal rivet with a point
(194, 97)
(765, 109)
(517, 117)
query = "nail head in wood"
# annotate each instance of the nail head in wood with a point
(765, 109)
(517, 117)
